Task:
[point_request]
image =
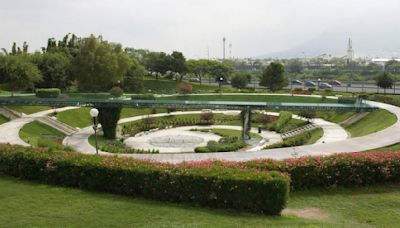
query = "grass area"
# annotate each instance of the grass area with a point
(335, 117)
(29, 109)
(81, 117)
(293, 124)
(229, 132)
(3, 119)
(394, 147)
(76, 117)
(253, 98)
(316, 134)
(373, 122)
(27, 204)
(35, 132)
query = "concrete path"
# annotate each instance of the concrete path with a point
(9, 132)
(145, 140)
(80, 142)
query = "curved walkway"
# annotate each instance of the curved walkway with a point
(80, 142)
(10, 130)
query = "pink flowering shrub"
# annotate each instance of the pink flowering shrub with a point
(346, 169)
(208, 184)
(185, 88)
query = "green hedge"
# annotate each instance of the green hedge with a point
(296, 140)
(348, 169)
(284, 118)
(347, 100)
(147, 96)
(215, 186)
(48, 93)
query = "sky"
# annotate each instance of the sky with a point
(255, 28)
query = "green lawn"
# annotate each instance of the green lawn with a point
(3, 119)
(81, 117)
(34, 132)
(29, 109)
(373, 122)
(395, 147)
(27, 204)
(253, 98)
(335, 117)
(316, 134)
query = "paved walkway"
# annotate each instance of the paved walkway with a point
(145, 141)
(10, 130)
(80, 142)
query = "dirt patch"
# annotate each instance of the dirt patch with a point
(307, 213)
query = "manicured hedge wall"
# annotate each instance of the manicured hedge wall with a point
(48, 93)
(212, 186)
(350, 169)
(284, 118)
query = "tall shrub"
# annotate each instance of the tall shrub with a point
(108, 118)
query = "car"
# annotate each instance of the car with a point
(310, 84)
(194, 80)
(297, 82)
(325, 85)
(335, 83)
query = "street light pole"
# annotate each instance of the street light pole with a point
(94, 113)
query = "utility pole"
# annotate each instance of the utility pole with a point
(230, 51)
(223, 51)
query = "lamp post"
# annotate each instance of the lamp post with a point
(221, 79)
(94, 113)
(319, 82)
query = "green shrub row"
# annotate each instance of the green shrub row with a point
(147, 96)
(247, 190)
(296, 140)
(117, 147)
(284, 118)
(225, 144)
(48, 93)
(347, 100)
(347, 169)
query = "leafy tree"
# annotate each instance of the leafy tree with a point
(55, 69)
(220, 70)
(240, 81)
(177, 64)
(385, 81)
(133, 81)
(273, 77)
(157, 62)
(392, 66)
(99, 64)
(18, 73)
(295, 66)
(199, 68)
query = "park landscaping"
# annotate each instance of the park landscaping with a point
(373, 122)
(3, 119)
(38, 134)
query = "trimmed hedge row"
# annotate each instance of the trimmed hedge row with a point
(48, 93)
(216, 186)
(148, 96)
(296, 140)
(284, 118)
(348, 169)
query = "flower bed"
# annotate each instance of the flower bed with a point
(212, 186)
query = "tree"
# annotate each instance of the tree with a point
(295, 66)
(392, 66)
(177, 64)
(385, 81)
(18, 73)
(199, 68)
(240, 81)
(99, 64)
(220, 70)
(157, 62)
(55, 69)
(108, 118)
(133, 81)
(273, 77)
